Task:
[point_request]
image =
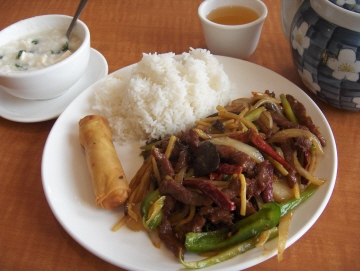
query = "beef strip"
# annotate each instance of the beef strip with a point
(191, 139)
(288, 149)
(304, 119)
(183, 156)
(234, 156)
(169, 205)
(165, 168)
(180, 193)
(168, 237)
(195, 225)
(262, 181)
(283, 122)
(303, 144)
(217, 215)
(232, 190)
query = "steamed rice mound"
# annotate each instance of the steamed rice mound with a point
(164, 95)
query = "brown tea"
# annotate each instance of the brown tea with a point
(232, 15)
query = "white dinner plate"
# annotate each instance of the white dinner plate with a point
(22, 110)
(68, 188)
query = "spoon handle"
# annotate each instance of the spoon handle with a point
(76, 16)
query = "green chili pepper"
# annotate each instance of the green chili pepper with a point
(291, 204)
(35, 42)
(266, 218)
(269, 214)
(228, 253)
(254, 114)
(151, 209)
(287, 108)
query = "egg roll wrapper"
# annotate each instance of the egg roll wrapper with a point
(109, 182)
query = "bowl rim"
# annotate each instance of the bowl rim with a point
(85, 43)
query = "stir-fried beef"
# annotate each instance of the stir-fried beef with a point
(169, 205)
(168, 237)
(183, 156)
(304, 119)
(262, 127)
(262, 180)
(191, 139)
(219, 126)
(287, 149)
(195, 225)
(244, 137)
(180, 193)
(267, 194)
(233, 188)
(283, 122)
(251, 206)
(233, 156)
(303, 144)
(217, 215)
(166, 169)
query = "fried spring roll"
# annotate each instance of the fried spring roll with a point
(108, 178)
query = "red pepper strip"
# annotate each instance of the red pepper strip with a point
(244, 137)
(213, 192)
(266, 148)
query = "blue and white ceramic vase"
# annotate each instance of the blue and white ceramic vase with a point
(325, 45)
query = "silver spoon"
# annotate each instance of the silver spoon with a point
(76, 16)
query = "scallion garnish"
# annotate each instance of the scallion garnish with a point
(20, 53)
(65, 47)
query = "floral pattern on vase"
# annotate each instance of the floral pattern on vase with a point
(300, 40)
(327, 58)
(345, 66)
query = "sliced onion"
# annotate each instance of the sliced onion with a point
(189, 218)
(264, 100)
(266, 118)
(245, 148)
(290, 133)
(263, 238)
(303, 172)
(296, 190)
(155, 239)
(284, 226)
(313, 161)
(281, 190)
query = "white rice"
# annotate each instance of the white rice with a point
(164, 95)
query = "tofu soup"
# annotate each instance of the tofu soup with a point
(37, 51)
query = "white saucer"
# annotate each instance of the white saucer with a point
(22, 110)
